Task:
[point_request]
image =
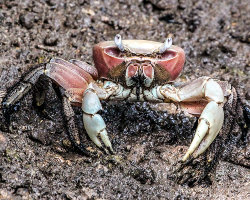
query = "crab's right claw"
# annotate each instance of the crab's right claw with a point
(93, 122)
(210, 123)
(95, 126)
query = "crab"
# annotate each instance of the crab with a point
(129, 70)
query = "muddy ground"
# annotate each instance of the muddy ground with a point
(37, 160)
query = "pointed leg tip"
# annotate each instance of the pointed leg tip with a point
(196, 154)
(111, 150)
(185, 157)
(82, 149)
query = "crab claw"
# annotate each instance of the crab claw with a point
(210, 123)
(93, 122)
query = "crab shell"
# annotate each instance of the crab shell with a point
(110, 62)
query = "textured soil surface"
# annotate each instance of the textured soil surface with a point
(37, 160)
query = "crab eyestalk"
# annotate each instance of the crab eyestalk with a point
(118, 42)
(167, 44)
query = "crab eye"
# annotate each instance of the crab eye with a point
(113, 51)
(118, 42)
(167, 44)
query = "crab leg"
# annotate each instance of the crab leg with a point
(73, 76)
(71, 127)
(23, 86)
(212, 117)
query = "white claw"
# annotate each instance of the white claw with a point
(95, 140)
(206, 143)
(105, 139)
(91, 103)
(93, 122)
(210, 123)
(199, 135)
(95, 126)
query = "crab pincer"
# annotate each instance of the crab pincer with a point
(93, 122)
(209, 125)
(212, 117)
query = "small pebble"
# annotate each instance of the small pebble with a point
(27, 20)
(51, 39)
(137, 153)
(52, 2)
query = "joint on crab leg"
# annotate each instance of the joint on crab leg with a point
(202, 88)
(71, 127)
(93, 122)
(19, 90)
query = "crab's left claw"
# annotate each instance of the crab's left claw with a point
(212, 116)
(210, 123)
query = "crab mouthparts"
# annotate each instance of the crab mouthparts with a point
(138, 83)
(139, 75)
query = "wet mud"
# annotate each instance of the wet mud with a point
(37, 160)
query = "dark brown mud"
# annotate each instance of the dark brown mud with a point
(36, 158)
